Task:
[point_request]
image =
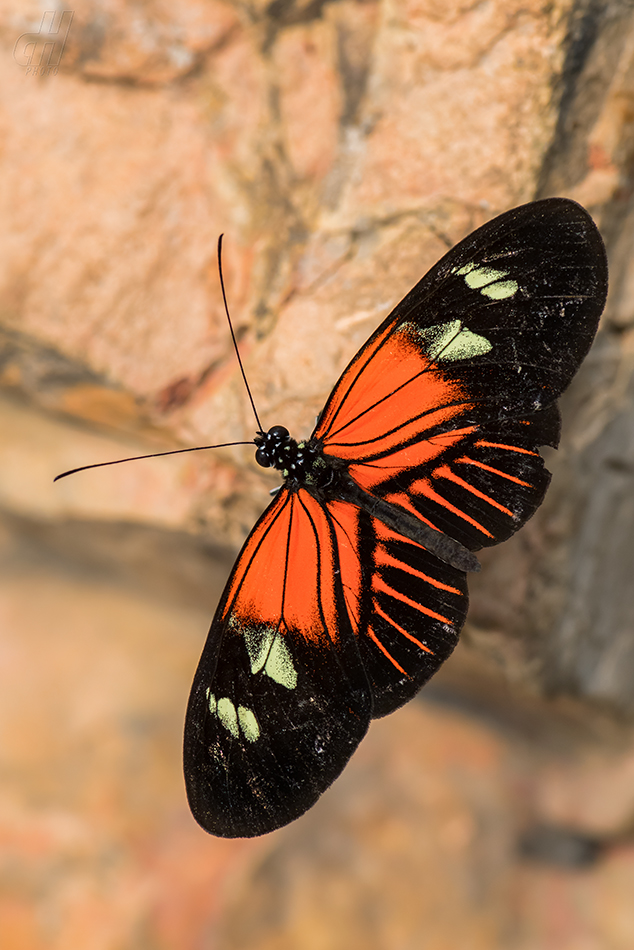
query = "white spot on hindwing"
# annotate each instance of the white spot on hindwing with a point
(268, 653)
(451, 341)
(488, 281)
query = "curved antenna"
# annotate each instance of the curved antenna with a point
(152, 455)
(196, 448)
(233, 336)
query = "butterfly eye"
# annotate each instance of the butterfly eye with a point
(262, 457)
(278, 433)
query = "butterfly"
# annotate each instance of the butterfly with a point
(351, 589)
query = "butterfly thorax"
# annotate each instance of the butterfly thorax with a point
(303, 462)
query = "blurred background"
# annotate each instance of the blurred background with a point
(342, 147)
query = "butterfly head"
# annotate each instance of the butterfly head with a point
(302, 462)
(273, 447)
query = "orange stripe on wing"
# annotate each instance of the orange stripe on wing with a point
(379, 584)
(385, 426)
(374, 637)
(400, 629)
(453, 435)
(496, 471)
(398, 395)
(424, 487)
(348, 381)
(272, 527)
(445, 472)
(388, 561)
(400, 498)
(509, 448)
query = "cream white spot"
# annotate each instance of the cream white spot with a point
(500, 290)
(279, 665)
(465, 346)
(481, 276)
(268, 652)
(463, 270)
(258, 642)
(488, 281)
(451, 341)
(439, 337)
(228, 716)
(248, 724)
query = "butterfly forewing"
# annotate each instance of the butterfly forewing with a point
(331, 617)
(280, 699)
(444, 410)
(505, 318)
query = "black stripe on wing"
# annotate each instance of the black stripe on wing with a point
(413, 609)
(487, 486)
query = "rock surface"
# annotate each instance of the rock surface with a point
(342, 147)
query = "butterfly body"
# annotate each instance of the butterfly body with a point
(299, 462)
(351, 589)
(305, 464)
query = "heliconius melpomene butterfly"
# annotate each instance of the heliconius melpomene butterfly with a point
(351, 589)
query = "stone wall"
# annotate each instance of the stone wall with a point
(341, 147)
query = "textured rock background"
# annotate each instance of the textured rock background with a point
(342, 147)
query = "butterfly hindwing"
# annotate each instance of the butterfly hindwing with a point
(482, 487)
(406, 606)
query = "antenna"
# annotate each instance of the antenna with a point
(233, 336)
(152, 455)
(196, 448)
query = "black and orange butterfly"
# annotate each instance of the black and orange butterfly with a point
(351, 589)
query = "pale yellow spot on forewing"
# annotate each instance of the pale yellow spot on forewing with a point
(258, 643)
(451, 341)
(482, 276)
(211, 699)
(501, 289)
(463, 270)
(279, 665)
(268, 651)
(228, 716)
(248, 723)
(465, 346)
(439, 337)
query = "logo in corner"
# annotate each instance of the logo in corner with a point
(40, 51)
